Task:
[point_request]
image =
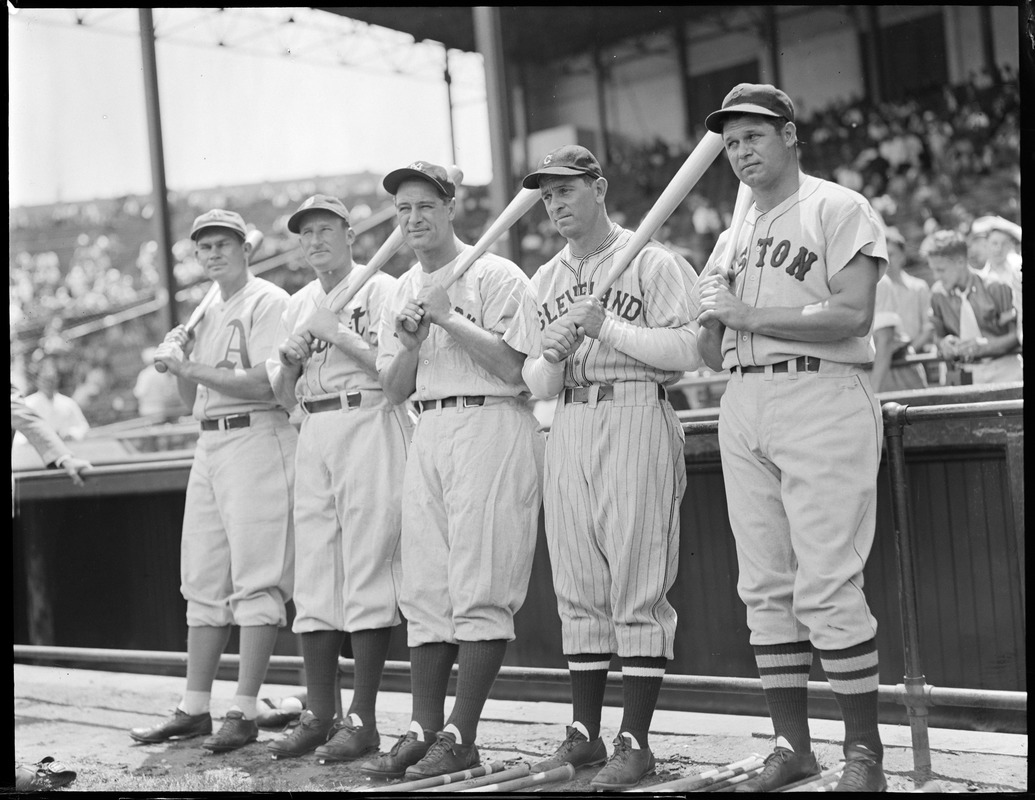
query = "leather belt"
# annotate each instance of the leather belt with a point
(804, 364)
(449, 402)
(351, 400)
(605, 391)
(226, 423)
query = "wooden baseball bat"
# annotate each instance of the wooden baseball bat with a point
(563, 773)
(708, 777)
(516, 208)
(728, 784)
(440, 780)
(816, 782)
(678, 188)
(486, 783)
(255, 239)
(722, 266)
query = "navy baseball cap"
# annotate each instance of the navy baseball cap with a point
(318, 202)
(219, 218)
(422, 170)
(571, 159)
(751, 98)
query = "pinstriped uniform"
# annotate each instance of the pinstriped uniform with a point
(615, 472)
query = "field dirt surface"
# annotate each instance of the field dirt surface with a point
(82, 718)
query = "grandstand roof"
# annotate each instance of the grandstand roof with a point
(531, 33)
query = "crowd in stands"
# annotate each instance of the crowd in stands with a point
(924, 162)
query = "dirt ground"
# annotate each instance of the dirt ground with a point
(81, 718)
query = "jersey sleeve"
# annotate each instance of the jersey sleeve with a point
(885, 313)
(667, 279)
(500, 286)
(266, 319)
(387, 342)
(285, 327)
(525, 331)
(381, 286)
(857, 230)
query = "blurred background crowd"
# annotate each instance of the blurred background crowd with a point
(86, 292)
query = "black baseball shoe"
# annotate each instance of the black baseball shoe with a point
(443, 757)
(863, 771)
(626, 767)
(349, 742)
(781, 767)
(235, 733)
(404, 753)
(577, 750)
(309, 735)
(180, 725)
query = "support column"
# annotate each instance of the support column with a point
(600, 83)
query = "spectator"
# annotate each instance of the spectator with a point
(33, 429)
(974, 318)
(1003, 262)
(901, 323)
(59, 411)
(156, 392)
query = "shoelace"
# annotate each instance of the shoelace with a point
(399, 744)
(773, 762)
(854, 774)
(436, 749)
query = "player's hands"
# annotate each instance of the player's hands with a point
(561, 338)
(411, 316)
(948, 348)
(181, 337)
(720, 305)
(295, 350)
(323, 324)
(74, 467)
(170, 354)
(588, 314)
(435, 302)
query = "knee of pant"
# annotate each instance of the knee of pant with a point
(259, 610)
(202, 615)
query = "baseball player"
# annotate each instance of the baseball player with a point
(473, 475)
(800, 432)
(237, 550)
(348, 478)
(615, 472)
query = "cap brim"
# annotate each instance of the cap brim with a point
(197, 232)
(714, 121)
(393, 180)
(531, 181)
(294, 219)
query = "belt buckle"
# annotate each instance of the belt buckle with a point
(469, 398)
(350, 400)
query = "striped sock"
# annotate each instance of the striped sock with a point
(480, 663)
(784, 670)
(641, 683)
(370, 650)
(320, 651)
(588, 673)
(854, 677)
(430, 667)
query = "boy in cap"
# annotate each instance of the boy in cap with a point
(800, 431)
(1002, 238)
(236, 557)
(614, 544)
(348, 475)
(473, 475)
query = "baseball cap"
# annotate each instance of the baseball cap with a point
(893, 234)
(422, 170)
(318, 202)
(983, 226)
(571, 159)
(219, 218)
(751, 98)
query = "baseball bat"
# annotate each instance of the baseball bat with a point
(441, 780)
(708, 777)
(722, 266)
(516, 208)
(678, 188)
(728, 784)
(816, 782)
(485, 783)
(255, 239)
(563, 773)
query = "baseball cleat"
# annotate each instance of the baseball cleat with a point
(443, 757)
(404, 753)
(781, 767)
(626, 767)
(235, 733)
(180, 725)
(576, 750)
(310, 734)
(863, 772)
(349, 742)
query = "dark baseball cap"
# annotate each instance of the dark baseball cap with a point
(421, 170)
(571, 159)
(318, 202)
(751, 98)
(219, 218)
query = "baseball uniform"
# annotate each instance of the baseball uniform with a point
(474, 473)
(615, 472)
(237, 551)
(348, 472)
(801, 561)
(902, 305)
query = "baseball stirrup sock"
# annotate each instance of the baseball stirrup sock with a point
(641, 684)
(430, 666)
(205, 645)
(784, 670)
(257, 643)
(370, 650)
(480, 663)
(588, 673)
(854, 676)
(320, 652)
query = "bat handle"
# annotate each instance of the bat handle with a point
(161, 367)
(553, 356)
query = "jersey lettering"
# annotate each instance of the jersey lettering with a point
(237, 343)
(802, 263)
(798, 268)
